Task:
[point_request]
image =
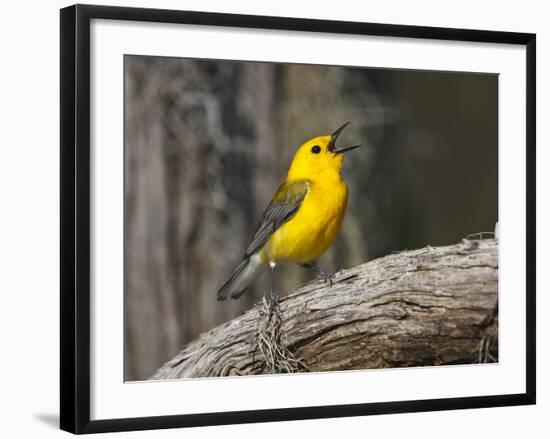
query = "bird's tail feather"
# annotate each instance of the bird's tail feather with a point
(247, 271)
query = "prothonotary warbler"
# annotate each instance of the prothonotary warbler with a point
(302, 219)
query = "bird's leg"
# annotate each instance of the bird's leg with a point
(321, 274)
(273, 297)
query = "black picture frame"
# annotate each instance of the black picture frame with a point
(76, 210)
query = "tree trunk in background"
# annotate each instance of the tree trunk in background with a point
(432, 306)
(187, 163)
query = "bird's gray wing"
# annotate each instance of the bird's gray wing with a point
(283, 206)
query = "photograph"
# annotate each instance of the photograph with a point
(297, 218)
(271, 218)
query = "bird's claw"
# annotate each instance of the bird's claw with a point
(320, 273)
(274, 307)
(326, 277)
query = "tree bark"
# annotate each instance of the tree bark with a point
(433, 306)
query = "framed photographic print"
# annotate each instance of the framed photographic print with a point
(304, 218)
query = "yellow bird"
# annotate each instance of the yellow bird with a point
(302, 220)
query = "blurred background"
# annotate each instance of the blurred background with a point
(208, 142)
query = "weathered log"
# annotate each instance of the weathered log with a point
(433, 306)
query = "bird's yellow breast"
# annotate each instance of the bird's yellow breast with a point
(314, 227)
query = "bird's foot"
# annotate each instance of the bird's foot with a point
(321, 274)
(326, 277)
(274, 307)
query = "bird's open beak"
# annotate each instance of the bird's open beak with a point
(332, 146)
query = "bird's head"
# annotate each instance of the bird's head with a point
(319, 155)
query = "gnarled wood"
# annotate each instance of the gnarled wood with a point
(423, 307)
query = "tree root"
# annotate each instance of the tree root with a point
(269, 340)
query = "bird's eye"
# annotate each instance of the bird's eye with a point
(316, 149)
